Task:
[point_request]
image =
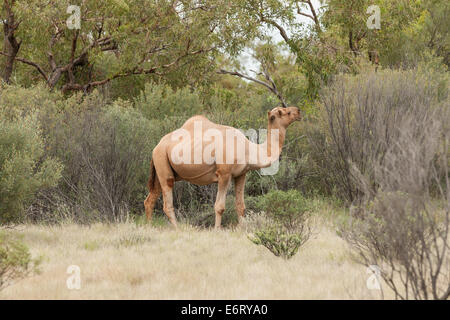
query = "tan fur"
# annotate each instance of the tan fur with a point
(168, 171)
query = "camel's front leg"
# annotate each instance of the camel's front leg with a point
(219, 207)
(239, 185)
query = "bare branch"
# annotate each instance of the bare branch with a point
(31, 63)
(270, 85)
(313, 16)
(273, 23)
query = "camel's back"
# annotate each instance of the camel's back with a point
(200, 121)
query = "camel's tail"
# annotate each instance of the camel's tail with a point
(152, 179)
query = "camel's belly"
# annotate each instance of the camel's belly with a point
(196, 173)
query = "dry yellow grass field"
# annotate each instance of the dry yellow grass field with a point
(126, 261)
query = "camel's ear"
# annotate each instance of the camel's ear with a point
(279, 112)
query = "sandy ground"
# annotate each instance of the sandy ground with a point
(126, 261)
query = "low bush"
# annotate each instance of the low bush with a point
(23, 171)
(287, 225)
(15, 261)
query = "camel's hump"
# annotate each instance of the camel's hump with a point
(189, 122)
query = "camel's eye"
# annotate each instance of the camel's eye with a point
(289, 113)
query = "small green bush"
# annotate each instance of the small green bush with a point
(289, 208)
(23, 172)
(15, 261)
(278, 241)
(288, 223)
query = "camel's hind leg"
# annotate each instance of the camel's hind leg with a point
(166, 180)
(151, 199)
(219, 207)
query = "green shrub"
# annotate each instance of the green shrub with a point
(278, 241)
(105, 148)
(288, 208)
(15, 261)
(23, 172)
(287, 225)
(160, 101)
(16, 101)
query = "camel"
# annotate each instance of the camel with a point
(217, 159)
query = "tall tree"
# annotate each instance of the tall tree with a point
(121, 38)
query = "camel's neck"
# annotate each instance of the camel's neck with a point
(270, 150)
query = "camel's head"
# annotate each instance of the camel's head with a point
(284, 116)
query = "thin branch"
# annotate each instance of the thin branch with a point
(31, 63)
(270, 85)
(313, 16)
(273, 23)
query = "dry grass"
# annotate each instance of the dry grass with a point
(125, 261)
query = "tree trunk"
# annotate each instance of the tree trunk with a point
(10, 44)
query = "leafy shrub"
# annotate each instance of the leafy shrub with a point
(16, 101)
(23, 172)
(288, 223)
(279, 242)
(15, 261)
(160, 101)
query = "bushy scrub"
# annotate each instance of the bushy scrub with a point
(358, 121)
(16, 101)
(287, 225)
(160, 101)
(15, 261)
(402, 225)
(106, 153)
(23, 171)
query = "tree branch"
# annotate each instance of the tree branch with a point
(31, 63)
(313, 16)
(283, 32)
(270, 85)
